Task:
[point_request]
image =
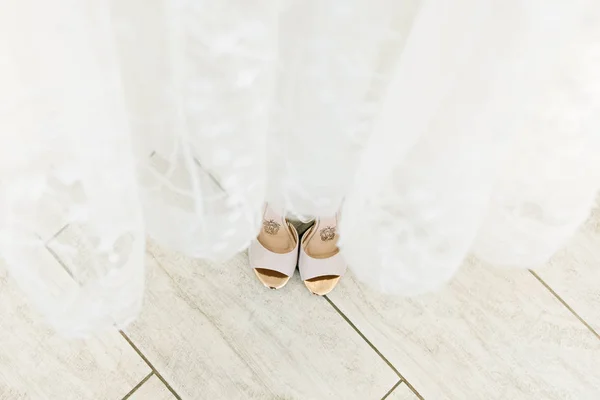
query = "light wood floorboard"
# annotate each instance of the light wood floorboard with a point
(402, 392)
(36, 363)
(213, 331)
(490, 334)
(574, 273)
(152, 389)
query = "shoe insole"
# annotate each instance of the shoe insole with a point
(276, 236)
(322, 243)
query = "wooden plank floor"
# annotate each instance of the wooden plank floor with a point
(214, 332)
(151, 389)
(574, 273)
(38, 364)
(211, 331)
(402, 392)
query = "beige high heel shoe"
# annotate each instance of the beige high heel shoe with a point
(321, 265)
(274, 253)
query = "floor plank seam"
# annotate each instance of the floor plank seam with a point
(136, 387)
(375, 349)
(61, 263)
(61, 230)
(385, 396)
(143, 357)
(565, 304)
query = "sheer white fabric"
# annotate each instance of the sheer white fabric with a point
(440, 128)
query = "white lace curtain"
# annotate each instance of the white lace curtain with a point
(443, 127)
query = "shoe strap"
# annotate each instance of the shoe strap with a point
(260, 257)
(314, 267)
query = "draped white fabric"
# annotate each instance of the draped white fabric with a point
(440, 128)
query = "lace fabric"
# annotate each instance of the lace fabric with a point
(446, 128)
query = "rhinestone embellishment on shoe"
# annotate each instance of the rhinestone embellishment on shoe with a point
(271, 227)
(327, 233)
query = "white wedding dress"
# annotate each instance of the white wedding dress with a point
(440, 127)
